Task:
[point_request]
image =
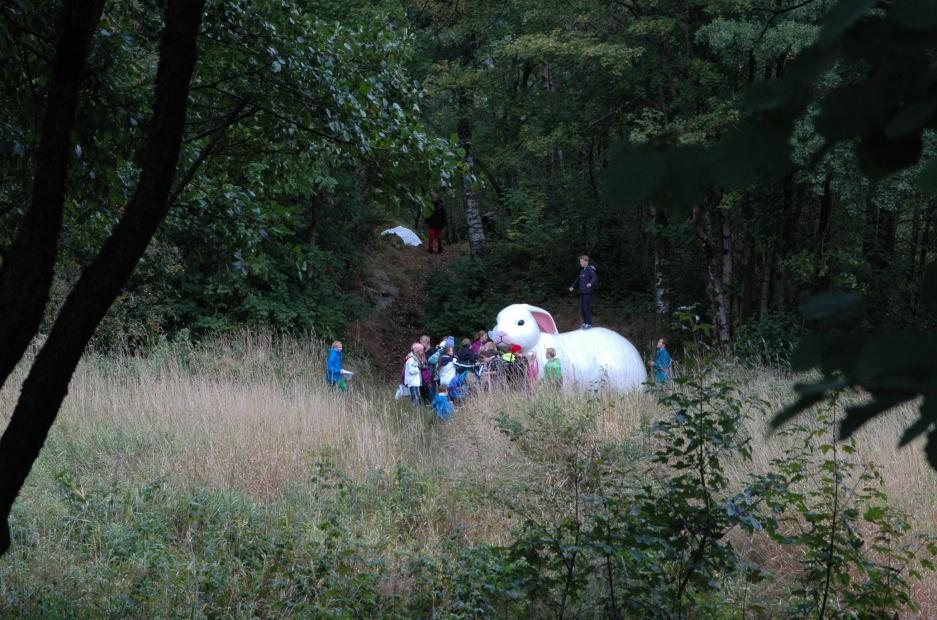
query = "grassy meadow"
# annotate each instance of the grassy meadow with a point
(224, 479)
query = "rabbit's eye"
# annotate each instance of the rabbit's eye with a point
(521, 322)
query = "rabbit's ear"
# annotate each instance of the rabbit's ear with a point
(544, 320)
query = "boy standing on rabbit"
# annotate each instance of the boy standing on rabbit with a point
(585, 283)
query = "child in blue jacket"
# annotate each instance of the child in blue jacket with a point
(333, 367)
(441, 404)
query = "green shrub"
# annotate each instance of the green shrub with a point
(858, 553)
(769, 340)
(460, 299)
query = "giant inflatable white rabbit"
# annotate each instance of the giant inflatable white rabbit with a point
(591, 359)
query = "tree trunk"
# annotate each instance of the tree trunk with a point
(915, 240)
(925, 237)
(661, 264)
(591, 164)
(793, 208)
(100, 283)
(870, 246)
(749, 284)
(714, 248)
(26, 275)
(728, 269)
(473, 219)
(766, 277)
(824, 279)
(887, 235)
(557, 159)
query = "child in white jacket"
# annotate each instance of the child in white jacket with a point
(412, 373)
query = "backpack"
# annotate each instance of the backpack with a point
(458, 386)
(516, 370)
(427, 374)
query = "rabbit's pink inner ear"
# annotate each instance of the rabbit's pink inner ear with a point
(544, 321)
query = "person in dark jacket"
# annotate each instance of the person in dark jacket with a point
(466, 357)
(585, 283)
(435, 224)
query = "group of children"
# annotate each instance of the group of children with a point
(443, 375)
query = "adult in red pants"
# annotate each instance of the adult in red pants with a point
(435, 223)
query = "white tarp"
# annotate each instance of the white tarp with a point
(408, 236)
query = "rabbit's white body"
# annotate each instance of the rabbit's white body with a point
(592, 359)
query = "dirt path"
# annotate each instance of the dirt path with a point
(397, 285)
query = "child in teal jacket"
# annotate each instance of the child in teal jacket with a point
(663, 371)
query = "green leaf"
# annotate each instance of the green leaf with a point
(809, 352)
(880, 156)
(928, 417)
(851, 110)
(750, 152)
(914, 14)
(931, 449)
(927, 177)
(684, 182)
(912, 118)
(806, 68)
(634, 174)
(810, 395)
(843, 16)
(764, 96)
(821, 388)
(788, 413)
(929, 287)
(858, 416)
(834, 306)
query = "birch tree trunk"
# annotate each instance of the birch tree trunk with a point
(661, 267)
(473, 219)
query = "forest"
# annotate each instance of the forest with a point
(192, 195)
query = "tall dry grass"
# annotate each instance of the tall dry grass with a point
(907, 478)
(253, 413)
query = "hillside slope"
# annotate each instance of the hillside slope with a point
(396, 284)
